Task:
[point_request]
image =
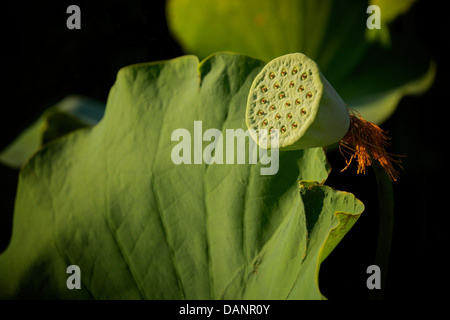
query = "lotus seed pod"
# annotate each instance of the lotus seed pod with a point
(291, 94)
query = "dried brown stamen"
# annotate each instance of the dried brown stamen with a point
(365, 141)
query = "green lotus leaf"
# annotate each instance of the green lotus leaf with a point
(71, 113)
(332, 33)
(389, 10)
(110, 200)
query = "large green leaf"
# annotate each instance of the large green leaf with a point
(389, 11)
(333, 33)
(110, 200)
(323, 30)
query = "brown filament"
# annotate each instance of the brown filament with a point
(365, 142)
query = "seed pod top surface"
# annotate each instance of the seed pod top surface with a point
(291, 95)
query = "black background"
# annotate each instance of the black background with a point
(43, 62)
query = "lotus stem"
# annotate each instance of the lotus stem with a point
(386, 226)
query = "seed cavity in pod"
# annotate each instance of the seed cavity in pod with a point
(292, 84)
(276, 85)
(304, 76)
(283, 72)
(287, 104)
(294, 71)
(264, 89)
(271, 75)
(289, 116)
(294, 125)
(263, 100)
(298, 101)
(309, 95)
(278, 116)
(282, 95)
(303, 111)
(272, 107)
(265, 123)
(300, 89)
(283, 129)
(260, 113)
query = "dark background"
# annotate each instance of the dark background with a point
(43, 62)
